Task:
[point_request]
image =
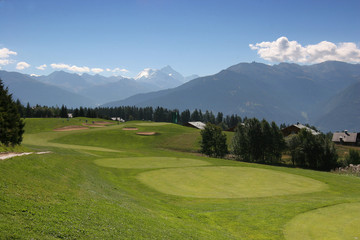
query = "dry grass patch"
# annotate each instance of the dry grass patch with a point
(70, 128)
(146, 133)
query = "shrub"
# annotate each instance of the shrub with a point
(213, 141)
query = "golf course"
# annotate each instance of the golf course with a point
(99, 179)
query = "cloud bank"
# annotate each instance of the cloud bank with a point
(5, 55)
(283, 50)
(84, 69)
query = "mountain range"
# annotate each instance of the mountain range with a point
(87, 90)
(283, 93)
(325, 94)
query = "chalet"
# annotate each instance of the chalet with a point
(346, 138)
(198, 125)
(295, 129)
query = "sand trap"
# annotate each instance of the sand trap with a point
(130, 129)
(103, 123)
(4, 156)
(92, 125)
(146, 133)
(70, 128)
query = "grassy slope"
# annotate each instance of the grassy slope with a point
(66, 195)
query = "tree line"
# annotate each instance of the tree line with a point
(262, 142)
(129, 113)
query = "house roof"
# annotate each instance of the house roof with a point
(300, 126)
(199, 125)
(344, 137)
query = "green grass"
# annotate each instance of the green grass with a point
(228, 182)
(66, 194)
(36, 125)
(329, 223)
(149, 162)
(16, 148)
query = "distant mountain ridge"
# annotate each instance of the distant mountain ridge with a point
(92, 90)
(26, 89)
(284, 92)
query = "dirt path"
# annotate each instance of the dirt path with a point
(4, 156)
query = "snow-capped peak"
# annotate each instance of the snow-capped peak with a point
(146, 73)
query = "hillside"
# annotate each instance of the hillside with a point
(342, 111)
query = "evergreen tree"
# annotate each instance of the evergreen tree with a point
(28, 111)
(11, 125)
(257, 141)
(63, 112)
(219, 118)
(81, 112)
(185, 116)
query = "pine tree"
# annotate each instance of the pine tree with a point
(11, 125)
(63, 112)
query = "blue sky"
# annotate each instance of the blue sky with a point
(194, 37)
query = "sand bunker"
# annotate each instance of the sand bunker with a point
(103, 123)
(146, 133)
(92, 125)
(130, 129)
(70, 128)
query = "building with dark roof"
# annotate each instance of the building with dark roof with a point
(198, 125)
(295, 129)
(346, 138)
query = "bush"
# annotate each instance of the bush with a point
(213, 141)
(310, 151)
(353, 157)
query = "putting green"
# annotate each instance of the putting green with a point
(228, 182)
(149, 162)
(336, 222)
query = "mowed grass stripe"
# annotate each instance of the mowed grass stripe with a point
(228, 182)
(149, 162)
(335, 222)
(44, 139)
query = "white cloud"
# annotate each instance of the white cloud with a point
(120, 70)
(97, 70)
(108, 70)
(72, 68)
(22, 65)
(41, 67)
(34, 75)
(5, 55)
(283, 50)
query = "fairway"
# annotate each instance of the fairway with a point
(106, 183)
(340, 221)
(149, 162)
(228, 182)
